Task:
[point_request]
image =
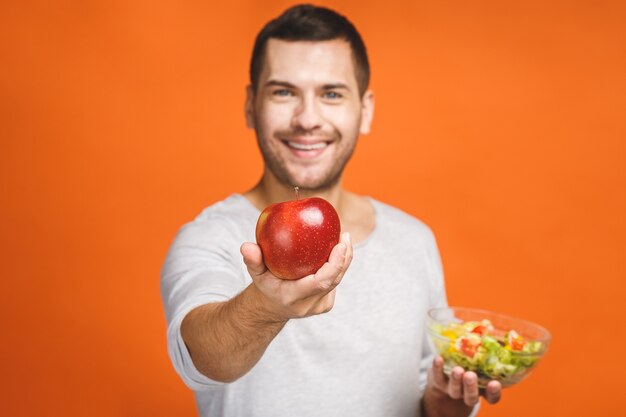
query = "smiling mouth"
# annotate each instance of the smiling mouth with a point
(306, 146)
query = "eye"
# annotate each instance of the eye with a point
(332, 95)
(282, 92)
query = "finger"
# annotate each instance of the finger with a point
(470, 389)
(330, 274)
(338, 253)
(439, 377)
(347, 240)
(455, 383)
(253, 258)
(493, 392)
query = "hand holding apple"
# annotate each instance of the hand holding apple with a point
(296, 237)
(279, 300)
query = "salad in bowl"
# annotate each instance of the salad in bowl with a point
(494, 346)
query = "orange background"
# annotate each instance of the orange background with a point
(500, 124)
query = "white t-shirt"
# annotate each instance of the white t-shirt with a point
(367, 357)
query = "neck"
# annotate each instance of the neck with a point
(269, 191)
(355, 213)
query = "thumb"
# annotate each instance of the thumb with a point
(253, 258)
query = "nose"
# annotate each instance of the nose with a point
(307, 114)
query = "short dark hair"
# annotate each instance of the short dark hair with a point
(311, 23)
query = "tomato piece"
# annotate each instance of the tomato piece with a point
(468, 346)
(516, 342)
(480, 329)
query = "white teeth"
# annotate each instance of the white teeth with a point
(307, 147)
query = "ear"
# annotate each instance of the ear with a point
(367, 112)
(249, 107)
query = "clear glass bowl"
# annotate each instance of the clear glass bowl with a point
(491, 359)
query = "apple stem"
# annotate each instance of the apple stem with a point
(295, 189)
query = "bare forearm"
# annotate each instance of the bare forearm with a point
(225, 340)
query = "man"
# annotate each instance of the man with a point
(349, 340)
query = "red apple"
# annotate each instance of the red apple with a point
(296, 237)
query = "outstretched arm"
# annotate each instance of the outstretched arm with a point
(225, 340)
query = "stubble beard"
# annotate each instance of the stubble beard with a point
(278, 166)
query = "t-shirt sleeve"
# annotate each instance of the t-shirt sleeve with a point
(201, 267)
(438, 299)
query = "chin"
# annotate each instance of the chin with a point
(313, 184)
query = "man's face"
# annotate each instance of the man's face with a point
(307, 111)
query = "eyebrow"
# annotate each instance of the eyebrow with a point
(335, 86)
(331, 86)
(278, 83)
